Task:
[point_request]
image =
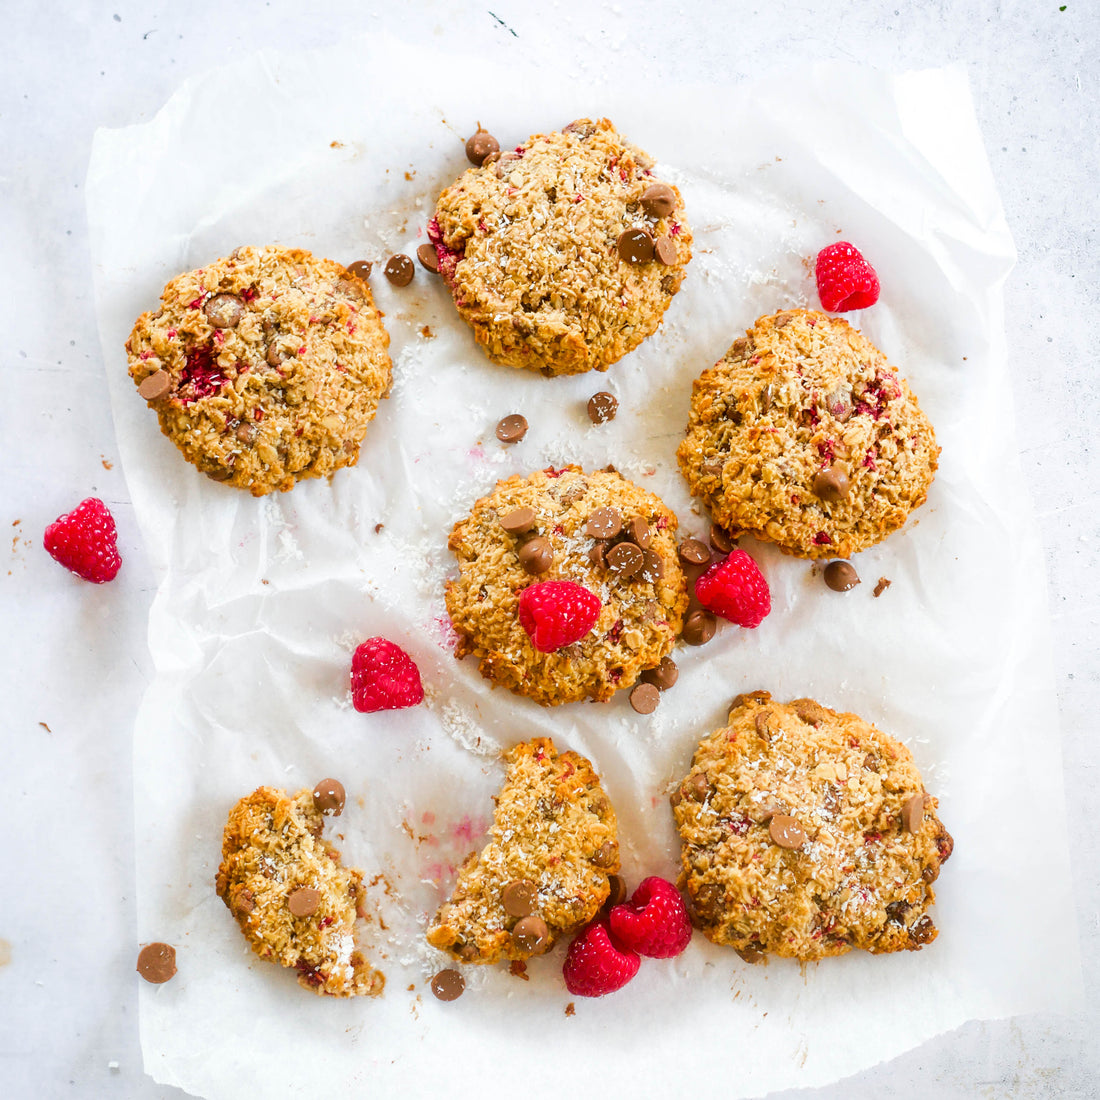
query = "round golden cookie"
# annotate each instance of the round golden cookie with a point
(805, 833)
(294, 902)
(264, 367)
(641, 611)
(531, 245)
(804, 435)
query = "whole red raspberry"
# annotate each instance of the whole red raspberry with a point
(596, 964)
(736, 590)
(557, 613)
(85, 541)
(654, 922)
(845, 280)
(384, 677)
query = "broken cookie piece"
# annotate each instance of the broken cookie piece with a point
(294, 902)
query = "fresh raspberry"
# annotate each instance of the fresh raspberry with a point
(736, 590)
(597, 964)
(557, 613)
(845, 280)
(383, 677)
(654, 922)
(85, 541)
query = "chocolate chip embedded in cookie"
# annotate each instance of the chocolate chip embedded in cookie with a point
(806, 833)
(264, 367)
(804, 435)
(284, 884)
(619, 613)
(547, 867)
(564, 254)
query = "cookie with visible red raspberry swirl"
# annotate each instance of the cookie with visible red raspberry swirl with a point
(804, 435)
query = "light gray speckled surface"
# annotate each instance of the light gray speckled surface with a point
(77, 662)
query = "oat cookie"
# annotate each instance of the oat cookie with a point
(804, 435)
(294, 902)
(545, 872)
(265, 367)
(595, 529)
(564, 254)
(806, 833)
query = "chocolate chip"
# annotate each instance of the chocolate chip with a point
(832, 485)
(399, 270)
(881, 587)
(722, 540)
(750, 954)
(625, 559)
(512, 428)
(428, 257)
(841, 576)
(329, 797)
(275, 355)
(602, 407)
(699, 628)
(694, 552)
(597, 556)
(616, 891)
(530, 934)
(242, 900)
(644, 698)
(481, 145)
(664, 248)
(637, 530)
(605, 855)
(760, 721)
(304, 902)
(924, 931)
(658, 200)
(697, 788)
(448, 985)
(653, 566)
(245, 432)
(786, 831)
(224, 310)
(520, 898)
(663, 676)
(536, 555)
(156, 385)
(518, 521)
(468, 952)
(912, 813)
(810, 711)
(157, 962)
(635, 245)
(360, 269)
(605, 523)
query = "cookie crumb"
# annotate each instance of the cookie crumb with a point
(518, 969)
(882, 585)
(427, 333)
(45, 727)
(570, 1009)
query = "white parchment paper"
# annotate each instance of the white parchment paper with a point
(262, 601)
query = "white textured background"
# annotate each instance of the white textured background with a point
(74, 658)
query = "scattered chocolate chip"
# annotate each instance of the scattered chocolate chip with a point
(616, 892)
(625, 559)
(698, 787)
(912, 813)
(530, 934)
(694, 552)
(512, 428)
(664, 248)
(329, 797)
(602, 407)
(663, 676)
(841, 576)
(157, 962)
(520, 898)
(536, 555)
(722, 540)
(448, 985)
(658, 200)
(428, 257)
(360, 269)
(699, 628)
(518, 521)
(644, 698)
(635, 246)
(653, 566)
(786, 831)
(597, 556)
(605, 855)
(224, 310)
(750, 954)
(637, 530)
(399, 270)
(832, 485)
(604, 523)
(881, 587)
(304, 902)
(481, 145)
(156, 385)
